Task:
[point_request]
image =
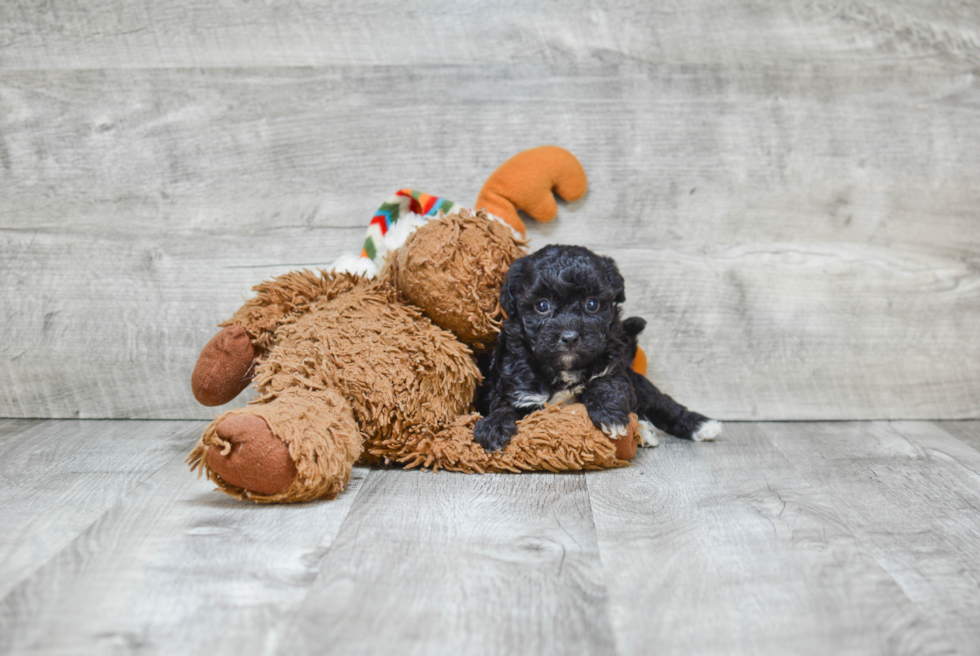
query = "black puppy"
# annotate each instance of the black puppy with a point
(563, 341)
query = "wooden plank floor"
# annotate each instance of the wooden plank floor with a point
(802, 538)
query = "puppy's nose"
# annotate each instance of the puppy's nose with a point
(569, 337)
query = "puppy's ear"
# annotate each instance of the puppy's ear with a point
(615, 279)
(512, 287)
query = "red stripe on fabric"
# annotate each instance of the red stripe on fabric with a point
(380, 221)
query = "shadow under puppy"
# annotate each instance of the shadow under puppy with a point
(563, 341)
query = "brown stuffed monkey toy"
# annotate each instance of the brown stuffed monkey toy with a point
(381, 371)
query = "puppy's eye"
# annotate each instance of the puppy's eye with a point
(592, 305)
(543, 307)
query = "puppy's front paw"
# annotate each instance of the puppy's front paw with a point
(706, 431)
(614, 423)
(494, 431)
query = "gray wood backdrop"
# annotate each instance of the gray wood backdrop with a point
(792, 189)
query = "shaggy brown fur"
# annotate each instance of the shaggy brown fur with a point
(323, 439)
(283, 299)
(558, 438)
(453, 270)
(394, 367)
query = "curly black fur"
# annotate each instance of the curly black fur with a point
(563, 340)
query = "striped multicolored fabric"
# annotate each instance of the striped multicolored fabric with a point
(403, 203)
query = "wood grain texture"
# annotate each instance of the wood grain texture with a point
(174, 567)
(452, 563)
(910, 493)
(967, 431)
(11, 428)
(57, 478)
(790, 191)
(727, 534)
(197, 33)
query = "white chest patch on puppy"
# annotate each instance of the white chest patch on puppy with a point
(566, 396)
(572, 388)
(528, 400)
(604, 372)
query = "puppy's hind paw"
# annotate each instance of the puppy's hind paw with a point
(706, 431)
(648, 434)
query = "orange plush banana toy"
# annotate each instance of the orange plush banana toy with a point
(526, 182)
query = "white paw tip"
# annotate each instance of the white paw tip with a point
(707, 431)
(648, 434)
(615, 431)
